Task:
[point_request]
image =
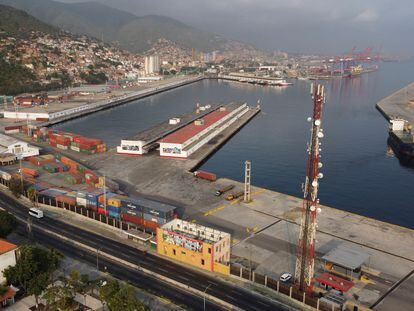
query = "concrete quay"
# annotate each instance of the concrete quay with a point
(126, 98)
(399, 104)
(61, 112)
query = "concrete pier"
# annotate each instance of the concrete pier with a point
(399, 104)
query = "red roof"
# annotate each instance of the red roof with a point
(9, 294)
(6, 247)
(190, 130)
(335, 282)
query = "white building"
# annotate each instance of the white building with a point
(7, 257)
(17, 147)
(185, 141)
(152, 64)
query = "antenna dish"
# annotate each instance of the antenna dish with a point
(317, 122)
(309, 119)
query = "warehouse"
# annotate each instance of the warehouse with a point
(194, 244)
(187, 140)
(21, 149)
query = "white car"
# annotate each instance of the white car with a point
(35, 212)
(285, 277)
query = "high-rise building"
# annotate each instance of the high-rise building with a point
(152, 64)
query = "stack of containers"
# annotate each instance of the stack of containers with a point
(146, 213)
(88, 145)
(132, 211)
(29, 172)
(51, 194)
(89, 198)
(40, 135)
(55, 168)
(73, 179)
(42, 160)
(91, 178)
(114, 206)
(68, 198)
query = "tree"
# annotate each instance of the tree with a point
(120, 299)
(32, 195)
(33, 269)
(16, 187)
(7, 224)
(37, 285)
(125, 300)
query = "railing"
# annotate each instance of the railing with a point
(282, 288)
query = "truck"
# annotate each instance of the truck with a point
(235, 195)
(219, 192)
(205, 175)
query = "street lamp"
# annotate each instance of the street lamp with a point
(204, 296)
(97, 257)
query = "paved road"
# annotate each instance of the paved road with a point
(232, 294)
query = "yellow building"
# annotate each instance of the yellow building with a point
(197, 245)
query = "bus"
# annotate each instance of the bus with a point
(35, 212)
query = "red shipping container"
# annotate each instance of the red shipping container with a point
(66, 199)
(102, 211)
(150, 225)
(205, 175)
(133, 219)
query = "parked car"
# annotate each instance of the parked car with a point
(285, 277)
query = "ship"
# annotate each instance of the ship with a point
(401, 140)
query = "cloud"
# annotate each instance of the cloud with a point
(367, 15)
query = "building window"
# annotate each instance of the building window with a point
(202, 262)
(174, 252)
(209, 250)
(182, 253)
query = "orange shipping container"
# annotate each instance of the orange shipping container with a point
(30, 172)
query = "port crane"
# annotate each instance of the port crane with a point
(305, 260)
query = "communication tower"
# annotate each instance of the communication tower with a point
(305, 260)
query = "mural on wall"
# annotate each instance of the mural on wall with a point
(182, 241)
(173, 150)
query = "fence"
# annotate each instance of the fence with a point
(282, 288)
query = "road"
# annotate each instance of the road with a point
(229, 293)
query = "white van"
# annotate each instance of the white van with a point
(35, 212)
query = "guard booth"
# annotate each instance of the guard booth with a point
(345, 261)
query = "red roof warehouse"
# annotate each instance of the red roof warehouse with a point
(185, 133)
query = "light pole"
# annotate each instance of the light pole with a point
(205, 295)
(97, 258)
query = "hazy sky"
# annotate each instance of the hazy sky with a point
(293, 25)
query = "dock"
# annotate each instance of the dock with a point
(67, 111)
(399, 105)
(148, 138)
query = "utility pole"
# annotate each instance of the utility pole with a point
(204, 296)
(247, 184)
(21, 173)
(29, 227)
(305, 260)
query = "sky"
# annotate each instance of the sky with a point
(330, 26)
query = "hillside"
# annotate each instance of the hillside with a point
(19, 24)
(136, 34)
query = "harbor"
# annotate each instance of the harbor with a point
(264, 232)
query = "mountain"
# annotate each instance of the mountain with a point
(130, 32)
(19, 24)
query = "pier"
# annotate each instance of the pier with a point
(68, 111)
(146, 140)
(399, 105)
